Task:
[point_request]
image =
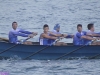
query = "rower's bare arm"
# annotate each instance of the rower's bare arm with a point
(93, 35)
(48, 37)
(96, 35)
(88, 38)
(56, 35)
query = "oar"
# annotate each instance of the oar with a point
(40, 50)
(12, 46)
(70, 52)
(93, 57)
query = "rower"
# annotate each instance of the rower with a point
(92, 34)
(15, 32)
(81, 36)
(45, 36)
(56, 30)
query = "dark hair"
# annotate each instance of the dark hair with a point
(79, 25)
(89, 26)
(13, 23)
(45, 26)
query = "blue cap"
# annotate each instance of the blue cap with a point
(56, 26)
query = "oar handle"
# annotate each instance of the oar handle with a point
(32, 35)
(26, 39)
(56, 41)
(22, 41)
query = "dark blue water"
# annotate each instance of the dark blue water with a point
(32, 15)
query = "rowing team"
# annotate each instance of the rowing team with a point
(48, 37)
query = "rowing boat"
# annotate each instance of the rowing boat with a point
(49, 53)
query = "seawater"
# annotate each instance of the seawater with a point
(51, 67)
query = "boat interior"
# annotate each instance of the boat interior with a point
(35, 43)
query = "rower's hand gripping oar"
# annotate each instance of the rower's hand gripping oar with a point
(13, 46)
(41, 50)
